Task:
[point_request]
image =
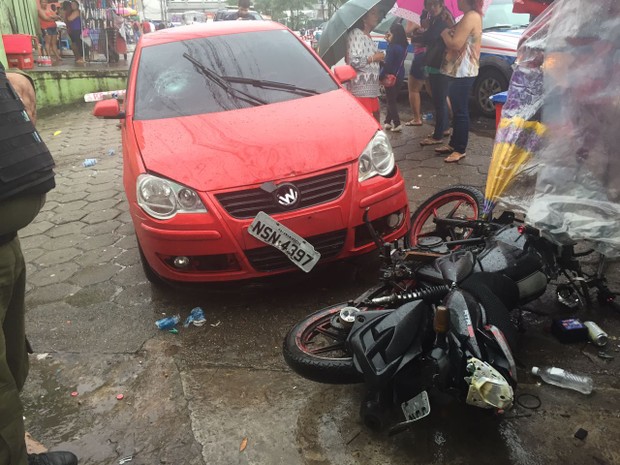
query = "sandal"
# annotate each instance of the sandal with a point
(444, 149)
(430, 141)
(413, 123)
(446, 133)
(454, 157)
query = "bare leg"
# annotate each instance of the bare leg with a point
(48, 45)
(54, 47)
(415, 86)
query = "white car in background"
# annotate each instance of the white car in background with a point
(501, 31)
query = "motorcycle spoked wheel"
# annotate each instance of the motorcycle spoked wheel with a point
(315, 348)
(462, 202)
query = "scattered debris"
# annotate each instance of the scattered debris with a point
(604, 355)
(168, 322)
(354, 437)
(196, 317)
(126, 459)
(581, 434)
(174, 331)
(89, 162)
(42, 356)
(596, 333)
(57, 133)
(415, 187)
(120, 397)
(215, 325)
(243, 445)
(75, 394)
(569, 330)
(111, 152)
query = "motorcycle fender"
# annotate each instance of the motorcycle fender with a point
(380, 340)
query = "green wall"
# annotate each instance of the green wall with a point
(65, 87)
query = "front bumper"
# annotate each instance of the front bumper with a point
(219, 248)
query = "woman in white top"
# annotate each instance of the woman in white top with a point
(364, 56)
(461, 64)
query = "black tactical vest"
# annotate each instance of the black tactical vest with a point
(26, 166)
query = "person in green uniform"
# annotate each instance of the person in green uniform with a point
(26, 175)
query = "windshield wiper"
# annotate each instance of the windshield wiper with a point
(272, 85)
(221, 81)
(502, 26)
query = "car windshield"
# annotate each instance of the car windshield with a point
(499, 15)
(222, 73)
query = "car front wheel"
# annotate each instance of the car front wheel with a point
(488, 83)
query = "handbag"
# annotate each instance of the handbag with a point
(389, 80)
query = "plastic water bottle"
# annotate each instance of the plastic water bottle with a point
(89, 162)
(565, 379)
(196, 317)
(168, 322)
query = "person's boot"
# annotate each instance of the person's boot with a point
(53, 458)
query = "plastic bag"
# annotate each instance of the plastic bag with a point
(558, 139)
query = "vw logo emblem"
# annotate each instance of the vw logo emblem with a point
(287, 195)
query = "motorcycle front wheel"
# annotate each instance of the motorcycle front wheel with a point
(315, 348)
(457, 202)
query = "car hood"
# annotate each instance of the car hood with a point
(253, 145)
(501, 42)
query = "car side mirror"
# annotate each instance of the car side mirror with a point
(344, 73)
(108, 109)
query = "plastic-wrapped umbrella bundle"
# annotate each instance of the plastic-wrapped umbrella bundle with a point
(561, 139)
(520, 134)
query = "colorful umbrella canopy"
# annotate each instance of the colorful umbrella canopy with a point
(333, 41)
(411, 9)
(122, 11)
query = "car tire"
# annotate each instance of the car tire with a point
(150, 274)
(489, 82)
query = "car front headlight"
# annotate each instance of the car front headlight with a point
(163, 199)
(377, 158)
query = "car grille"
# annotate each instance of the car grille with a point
(271, 259)
(312, 191)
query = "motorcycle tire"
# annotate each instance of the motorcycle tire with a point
(315, 366)
(459, 195)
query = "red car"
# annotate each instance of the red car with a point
(245, 157)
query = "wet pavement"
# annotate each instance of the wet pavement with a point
(221, 393)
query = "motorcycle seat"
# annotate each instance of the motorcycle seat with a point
(497, 294)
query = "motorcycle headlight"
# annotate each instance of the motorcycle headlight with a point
(163, 199)
(377, 158)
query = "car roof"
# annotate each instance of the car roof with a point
(199, 30)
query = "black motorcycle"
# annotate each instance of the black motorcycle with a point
(440, 319)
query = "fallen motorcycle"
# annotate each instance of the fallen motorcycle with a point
(440, 319)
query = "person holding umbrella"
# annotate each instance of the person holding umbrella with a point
(364, 56)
